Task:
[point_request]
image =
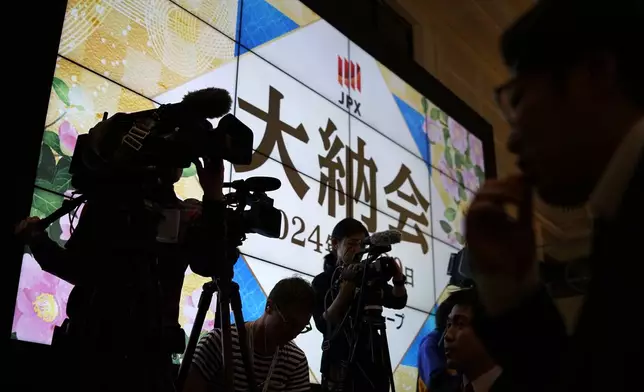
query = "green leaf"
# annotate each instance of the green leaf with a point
(450, 214)
(448, 158)
(434, 114)
(459, 177)
(189, 171)
(443, 118)
(478, 170)
(52, 140)
(461, 193)
(479, 173)
(46, 164)
(62, 179)
(459, 159)
(468, 161)
(445, 226)
(445, 134)
(459, 237)
(425, 104)
(62, 90)
(36, 212)
(42, 183)
(45, 202)
(14, 336)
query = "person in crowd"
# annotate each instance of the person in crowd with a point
(333, 317)
(575, 104)
(131, 259)
(465, 352)
(278, 363)
(431, 352)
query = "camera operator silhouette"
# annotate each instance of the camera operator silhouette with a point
(333, 302)
(127, 259)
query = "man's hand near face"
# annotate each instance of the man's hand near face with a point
(501, 240)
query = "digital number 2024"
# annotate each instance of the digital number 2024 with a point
(299, 235)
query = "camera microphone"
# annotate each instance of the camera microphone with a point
(255, 184)
(383, 238)
(206, 103)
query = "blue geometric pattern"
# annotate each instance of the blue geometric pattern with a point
(415, 121)
(260, 23)
(251, 293)
(411, 357)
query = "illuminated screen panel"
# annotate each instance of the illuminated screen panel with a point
(289, 119)
(301, 44)
(345, 136)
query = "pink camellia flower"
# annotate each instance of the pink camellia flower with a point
(470, 180)
(444, 167)
(433, 130)
(451, 239)
(476, 151)
(450, 185)
(458, 135)
(68, 136)
(41, 303)
(69, 221)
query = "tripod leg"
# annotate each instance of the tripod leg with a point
(227, 344)
(218, 314)
(386, 358)
(204, 303)
(236, 304)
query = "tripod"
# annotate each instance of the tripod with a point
(228, 297)
(372, 326)
(370, 317)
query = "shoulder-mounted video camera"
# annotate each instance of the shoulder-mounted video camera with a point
(123, 154)
(377, 268)
(134, 149)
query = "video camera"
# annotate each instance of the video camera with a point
(377, 266)
(124, 154)
(382, 269)
(138, 148)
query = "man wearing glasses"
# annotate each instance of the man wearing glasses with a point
(278, 363)
(576, 108)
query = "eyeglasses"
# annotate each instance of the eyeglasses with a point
(507, 98)
(307, 327)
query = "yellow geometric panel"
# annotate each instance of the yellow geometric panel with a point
(405, 378)
(86, 97)
(221, 14)
(296, 11)
(402, 90)
(148, 45)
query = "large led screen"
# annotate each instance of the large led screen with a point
(345, 135)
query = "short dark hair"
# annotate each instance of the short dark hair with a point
(343, 229)
(442, 312)
(469, 298)
(293, 293)
(348, 227)
(556, 34)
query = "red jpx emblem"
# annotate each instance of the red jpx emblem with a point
(349, 74)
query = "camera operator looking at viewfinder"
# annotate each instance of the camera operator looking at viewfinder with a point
(333, 304)
(127, 259)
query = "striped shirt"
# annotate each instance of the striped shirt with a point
(290, 373)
